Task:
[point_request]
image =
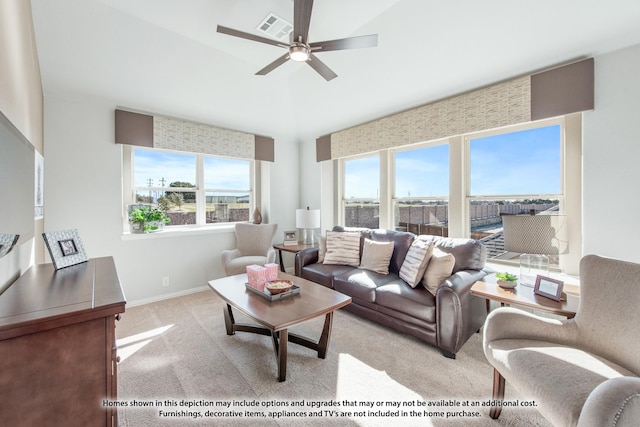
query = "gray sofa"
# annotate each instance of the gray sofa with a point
(445, 320)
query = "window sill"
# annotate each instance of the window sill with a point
(180, 231)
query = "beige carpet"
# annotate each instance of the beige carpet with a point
(176, 351)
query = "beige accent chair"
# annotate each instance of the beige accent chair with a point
(254, 245)
(582, 371)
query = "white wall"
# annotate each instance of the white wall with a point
(83, 190)
(611, 153)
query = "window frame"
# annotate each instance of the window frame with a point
(458, 200)
(342, 190)
(129, 189)
(558, 121)
(393, 177)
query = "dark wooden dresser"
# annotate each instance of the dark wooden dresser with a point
(58, 360)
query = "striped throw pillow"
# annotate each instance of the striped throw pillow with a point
(343, 248)
(416, 262)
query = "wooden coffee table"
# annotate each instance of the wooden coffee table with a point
(523, 295)
(276, 317)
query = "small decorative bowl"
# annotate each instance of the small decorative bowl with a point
(279, 286)
(507, 284)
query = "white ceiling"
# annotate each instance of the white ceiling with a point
(165, 56)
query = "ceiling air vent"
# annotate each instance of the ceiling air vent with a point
(275, 27)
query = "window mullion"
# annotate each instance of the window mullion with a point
(200, 191)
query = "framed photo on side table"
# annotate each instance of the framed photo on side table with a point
(65, 248)
(548, 287)
(290, 238)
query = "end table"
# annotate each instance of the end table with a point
(294, 249)
(524, 296)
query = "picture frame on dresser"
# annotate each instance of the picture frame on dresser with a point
(65, 248)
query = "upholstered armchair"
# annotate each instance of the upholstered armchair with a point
(583, 371)
(254, 245)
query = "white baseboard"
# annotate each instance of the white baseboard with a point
(166, 296)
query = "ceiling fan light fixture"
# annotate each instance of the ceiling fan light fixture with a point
(299, 52)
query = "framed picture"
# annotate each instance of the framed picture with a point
(65, 248)
(548, 287)
(290, 238)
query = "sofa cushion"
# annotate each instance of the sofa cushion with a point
(323, 273)
(416, 261)
(361, 284)
(401, 243)
(440, 267)
(342, 248)
(322, 246)
(417, 302)
(376, 256)
(470, 254)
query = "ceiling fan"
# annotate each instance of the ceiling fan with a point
(300, 49)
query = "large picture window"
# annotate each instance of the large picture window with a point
(361, 193)
(193, 189)
(516, 174)
(420, 202)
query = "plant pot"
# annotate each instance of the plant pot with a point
(507, 284)
(136, 227)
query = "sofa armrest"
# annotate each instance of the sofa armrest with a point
(459, 314)
(615, 402)
(305, 257)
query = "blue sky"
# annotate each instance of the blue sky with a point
(219, 173)
(524, 162)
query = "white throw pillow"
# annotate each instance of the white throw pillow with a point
(322, 247)
(440, 267)
(416, 261)
(376, 256)
(343, 248)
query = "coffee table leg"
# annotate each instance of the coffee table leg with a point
(228, 320)
(323, 343)
(280, 341)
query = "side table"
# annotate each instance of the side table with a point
(294, 249)
(524, 296)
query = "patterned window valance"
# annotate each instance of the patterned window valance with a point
(173, 134)
(551, 93)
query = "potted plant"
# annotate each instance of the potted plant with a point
(147, 219)
(506, 280)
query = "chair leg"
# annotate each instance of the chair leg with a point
(498, 394)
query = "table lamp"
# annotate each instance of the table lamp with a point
(307, 220)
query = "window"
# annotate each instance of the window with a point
(194, 189)
(361, 193)
(465, 185)
(420, 202)
(515, 173)
(227, 184)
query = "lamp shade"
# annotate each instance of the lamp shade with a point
(534, 234)
(307, 218)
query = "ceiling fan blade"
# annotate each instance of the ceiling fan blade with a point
(321, 68)
(275, 64)
(348, 43)
(301, 19)
(248, 36)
